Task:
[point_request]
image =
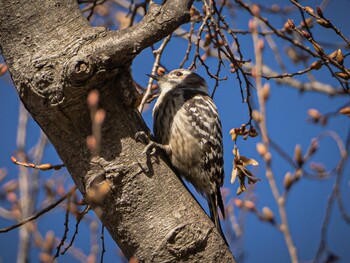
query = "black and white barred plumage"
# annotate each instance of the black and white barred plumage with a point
(186, 123)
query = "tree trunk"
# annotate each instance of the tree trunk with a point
(55, 59)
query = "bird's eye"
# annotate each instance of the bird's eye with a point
(178, 73)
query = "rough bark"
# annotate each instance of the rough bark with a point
(55, 58)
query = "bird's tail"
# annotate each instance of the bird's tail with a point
(214, 202)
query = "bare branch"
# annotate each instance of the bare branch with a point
(41, 212)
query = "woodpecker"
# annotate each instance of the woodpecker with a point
(187, 127)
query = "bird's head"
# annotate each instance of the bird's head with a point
(181, 78)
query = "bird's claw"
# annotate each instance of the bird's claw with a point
(141, 136)
(150, 147)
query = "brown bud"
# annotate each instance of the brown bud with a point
(306, 34)
(3, 69)
(316, 65)
(261, 148)
(268, 214)
(267, 157)
(298, 173)
(238, 202)
(45, 257)
(133, 260)
(314, 114)
(265, 91)
(93, 98)
(45, 166)
(317, 167)
(345, 111)
(307, 22)
(256, 115)
(207, 40)
(204, 9)
(309, 10)
(333, 54)
(100, 116)
(291, 23)
(319, 11)
(233, 134)
(339, 57)
(49, 241)
(11, 197)
(161, 71)
(342, 75)
(91, 143)
(323, 22)
(255, 10)
(10, 186)
(313, 147)
(252, 132)
(288, 180)
(251, 25)
(261, 44)
(298, 157)
(275, 8)
(194, 12)
(249, 205)
(318, 48)
(287, 27)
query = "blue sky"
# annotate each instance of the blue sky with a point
(287, 124)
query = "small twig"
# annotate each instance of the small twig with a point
(326, 22)
(43, 167)
(103, 243)
(189, 45)
(279, 199)
(79, 218)
(66, 229)
(158, 53)
(41, 212)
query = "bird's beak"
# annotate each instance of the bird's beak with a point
(157, 78)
